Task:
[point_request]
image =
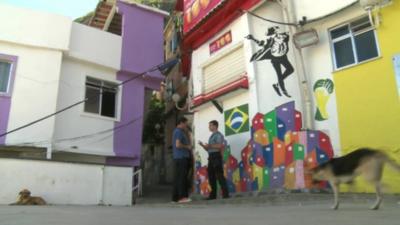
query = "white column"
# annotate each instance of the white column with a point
(254, 105)
(49, 151)
(290, 17)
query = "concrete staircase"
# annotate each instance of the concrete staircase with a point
(106, 18)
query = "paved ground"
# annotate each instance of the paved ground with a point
(296, 209)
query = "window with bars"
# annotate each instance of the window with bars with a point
(5, 76)
(102, 97)
(353, 43)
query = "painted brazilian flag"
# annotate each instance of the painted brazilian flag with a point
(237, 120)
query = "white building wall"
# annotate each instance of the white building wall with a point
(261, 97)
(317, 58)
(66, 183)
(34, 28)
(34, 93)
(265, 73)
(96, 46)
(202, 55)
(117, 185)
(52, 67)
(319, 65)
(315, 9)
(77, 123)
(37, 39)
(207, 113)
(53, 63)
(97, 54)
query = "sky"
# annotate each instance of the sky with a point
(70, 8)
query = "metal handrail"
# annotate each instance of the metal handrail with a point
(137, 186)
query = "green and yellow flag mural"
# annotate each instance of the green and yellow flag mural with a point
(322, 91)
(237, 120)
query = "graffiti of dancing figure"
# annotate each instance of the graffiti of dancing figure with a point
(275, 48)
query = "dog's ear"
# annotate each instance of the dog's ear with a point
(25, 191)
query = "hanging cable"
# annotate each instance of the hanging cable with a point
(269, 20)
(77, 138)
(80, 102)
(43, 118)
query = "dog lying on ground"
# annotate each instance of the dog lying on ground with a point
(25, 198)
(366, 162)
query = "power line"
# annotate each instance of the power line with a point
(80, 102)
(117, 129)
(86, 136)
(269, 20)
(43, 118)
(101, 132)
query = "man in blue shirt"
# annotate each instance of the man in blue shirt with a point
(181, 153)
(215, 162)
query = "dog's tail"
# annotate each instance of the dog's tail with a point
(392, 163)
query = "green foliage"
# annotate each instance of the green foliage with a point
(84, 19)
(166, 5)
(154, 116)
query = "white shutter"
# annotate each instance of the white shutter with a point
(224, 70)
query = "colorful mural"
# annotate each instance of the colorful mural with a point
(237, 120)
(322, 91)
(275, 48)
(277, 155)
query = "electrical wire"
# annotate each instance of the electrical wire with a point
(269, 20)
(77, 138)
(152, 69)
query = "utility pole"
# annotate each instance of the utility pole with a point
(290, 17)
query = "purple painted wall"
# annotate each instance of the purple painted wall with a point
(5, 98)
(142, 49)
(142, 38)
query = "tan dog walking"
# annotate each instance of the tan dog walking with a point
(365, 162)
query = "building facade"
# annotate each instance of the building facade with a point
(269, 96)
(44, 73)
(359, 56)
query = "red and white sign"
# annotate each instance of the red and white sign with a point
(221, 42)
(196, 10)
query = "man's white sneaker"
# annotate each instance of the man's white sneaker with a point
(184, 200)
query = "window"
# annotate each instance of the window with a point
(353, 43)
(5, 76)
(102, 97)
(224, 70)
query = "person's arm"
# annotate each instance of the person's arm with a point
(179, 144)
(219, 139)
(218, 145)
(205, 146)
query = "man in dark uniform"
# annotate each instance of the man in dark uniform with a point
(215, 162)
